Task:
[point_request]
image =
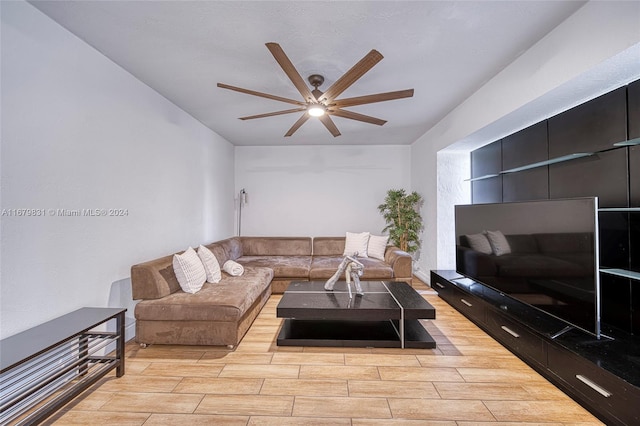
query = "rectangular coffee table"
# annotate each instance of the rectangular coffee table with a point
(387, 316)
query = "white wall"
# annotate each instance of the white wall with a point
(573, 63)
(78, 132)
(318, 190)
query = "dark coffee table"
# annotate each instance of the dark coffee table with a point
(387, 316)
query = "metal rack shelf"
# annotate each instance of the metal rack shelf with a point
(43, 368)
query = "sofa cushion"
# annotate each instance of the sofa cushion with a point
(328, 246)
(522, 243)
(478, 242)
(227, 300)
(499, 244)
(276, 246)
(189, 271)
(356, 244)
(283, 266)
(536, 266)
(210, 263)
(229, 249)
(578, 242)
(323, 267)
(377, 246)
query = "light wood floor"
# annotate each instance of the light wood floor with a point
(468, 380)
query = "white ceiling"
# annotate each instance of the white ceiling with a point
(444, 50)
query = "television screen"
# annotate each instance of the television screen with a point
(543, 253)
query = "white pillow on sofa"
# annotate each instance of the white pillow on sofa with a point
(189, 271)
(479, 243)
(356, 243)
(377, 246)
(211, 265)
(499, 243)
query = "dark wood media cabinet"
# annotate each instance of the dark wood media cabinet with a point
(602, 375)
(45, 367)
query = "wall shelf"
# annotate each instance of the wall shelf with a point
(622, 273)
(556, 160)
(630, 142)
(482, 177)
(620, 209)
(548, 162)
(562, 159)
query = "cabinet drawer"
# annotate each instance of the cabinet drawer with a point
(468, 305)
(607, 393)
(516, 337)
(442, 286)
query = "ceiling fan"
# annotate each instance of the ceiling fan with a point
(323, 104)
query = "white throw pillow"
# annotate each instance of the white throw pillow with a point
(189, 271)
(377, 246)
(479, 243)
(210, 263)
(356, 244)
(499, 243)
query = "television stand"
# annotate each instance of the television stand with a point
(561, 332)
(603, 375)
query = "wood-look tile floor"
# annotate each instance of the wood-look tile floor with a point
(469, 379)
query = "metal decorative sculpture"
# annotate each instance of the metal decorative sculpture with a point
(353, 270)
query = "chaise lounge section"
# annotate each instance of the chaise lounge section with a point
(221, 313)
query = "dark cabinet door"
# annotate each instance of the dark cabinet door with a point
(487, 161)
(516, 337)
(599, 388)
(592, 126)
(603, 175)
(527, 146)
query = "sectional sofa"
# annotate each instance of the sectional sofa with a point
(221, 313)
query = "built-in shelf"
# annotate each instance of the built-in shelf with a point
(620, 209)
(574, 156)
(548, 162)
(482, 177)
(556, 160)
(622, 273)
(630, 142)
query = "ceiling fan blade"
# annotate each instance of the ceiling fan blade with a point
(271, 114)
(370, 99)
(330, 125)
(291, 71)
(262, 95)
(351, 76)
(303, 119)
(355, 116)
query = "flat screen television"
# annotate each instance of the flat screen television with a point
(543, 253)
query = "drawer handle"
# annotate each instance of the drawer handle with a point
(466, 303)
(602, 391)
(511, 332)
(439, 285)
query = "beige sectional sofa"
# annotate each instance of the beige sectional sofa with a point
(221, 313)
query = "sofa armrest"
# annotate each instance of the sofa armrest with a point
(154, 279)
(400, 261)
(475, 264)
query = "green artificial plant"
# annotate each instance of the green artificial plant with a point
(401, 212)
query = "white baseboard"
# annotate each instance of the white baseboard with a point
(424, 277)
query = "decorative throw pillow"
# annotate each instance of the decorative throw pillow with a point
(210, 263)
(499, 243)
(189, 271)
(377, 246)
(356, 244)
(479, 243)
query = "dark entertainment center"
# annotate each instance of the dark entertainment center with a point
(592, 150)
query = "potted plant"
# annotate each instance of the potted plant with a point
(401, 212)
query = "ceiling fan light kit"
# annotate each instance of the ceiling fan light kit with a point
(316, 110)
(323, 104)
